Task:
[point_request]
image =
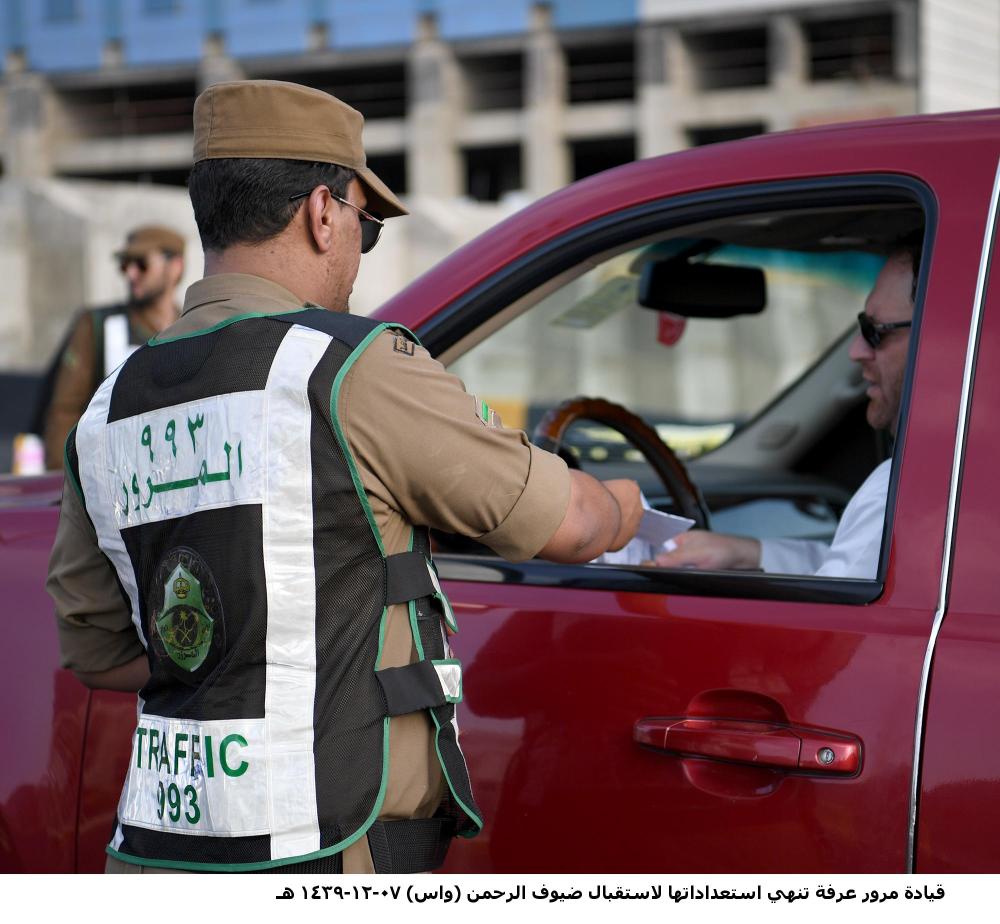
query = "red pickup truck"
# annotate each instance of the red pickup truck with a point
(629, 718)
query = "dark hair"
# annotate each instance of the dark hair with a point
(910, 247)
(244, 200)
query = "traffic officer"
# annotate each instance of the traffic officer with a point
(152, 262)
(243, 536)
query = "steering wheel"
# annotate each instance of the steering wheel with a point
(686, 496)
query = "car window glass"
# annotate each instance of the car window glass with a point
(760, 400)
(591, 337)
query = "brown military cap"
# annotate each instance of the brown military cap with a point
(141, 241)
(272, 118)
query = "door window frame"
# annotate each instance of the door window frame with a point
(533, 271)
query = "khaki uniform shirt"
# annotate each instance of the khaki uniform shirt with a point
(425, 457)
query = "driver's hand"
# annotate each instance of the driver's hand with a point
(711, 552)
(626, 492)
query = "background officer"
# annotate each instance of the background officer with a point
(152, 262)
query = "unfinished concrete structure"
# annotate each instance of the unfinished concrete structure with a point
(530, 99)
(487, 106)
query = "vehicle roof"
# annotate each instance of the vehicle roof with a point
(910, 145)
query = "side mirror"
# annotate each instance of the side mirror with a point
(702, 290)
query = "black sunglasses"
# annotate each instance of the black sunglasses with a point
(873, 332)
(141, 263)
(371, 222)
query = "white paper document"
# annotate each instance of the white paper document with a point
(655, 534)
(657, 528)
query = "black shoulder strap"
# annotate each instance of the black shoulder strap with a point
(349, 329)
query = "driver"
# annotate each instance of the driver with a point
(880, 349)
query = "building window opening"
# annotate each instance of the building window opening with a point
(139, 109)
(158, 177)
(601, 72)
(591, 157)
(858, 48)
(729, 60)
(57, 11)
(376, 92)
(493, 82)
(492, 172)
(159, 7)
(391, 170)
(715, 133)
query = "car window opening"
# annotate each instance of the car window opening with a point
(733, 339)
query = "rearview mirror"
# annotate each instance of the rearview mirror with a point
(702, 290)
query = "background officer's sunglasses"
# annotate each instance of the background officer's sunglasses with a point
(371, 222)
(140, 262)
(873, 332)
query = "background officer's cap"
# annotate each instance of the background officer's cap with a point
(271, 118)
(144, 240)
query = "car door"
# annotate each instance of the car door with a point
(46, 708)
(625, 719)
(958, 818)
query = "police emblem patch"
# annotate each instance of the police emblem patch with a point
(183, 625)
(186, 626)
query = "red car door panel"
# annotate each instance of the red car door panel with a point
(45, 712)
(958, 823)
(552, 700)
(558, 679)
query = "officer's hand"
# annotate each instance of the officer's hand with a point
(711, 552)
(626, 492)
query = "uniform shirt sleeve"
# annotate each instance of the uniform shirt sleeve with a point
(72, 390)
(428, 454)
(95, 627)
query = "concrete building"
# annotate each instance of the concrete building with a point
(959, 55)
(490, 105)
(460, 101)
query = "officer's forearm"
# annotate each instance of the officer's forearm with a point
(128, 677)
(591, 523)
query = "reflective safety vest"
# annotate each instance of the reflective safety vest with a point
(113, 344)
(222, 490)
(114, 339)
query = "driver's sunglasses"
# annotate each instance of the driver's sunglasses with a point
(873, 332)
(371, 222)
